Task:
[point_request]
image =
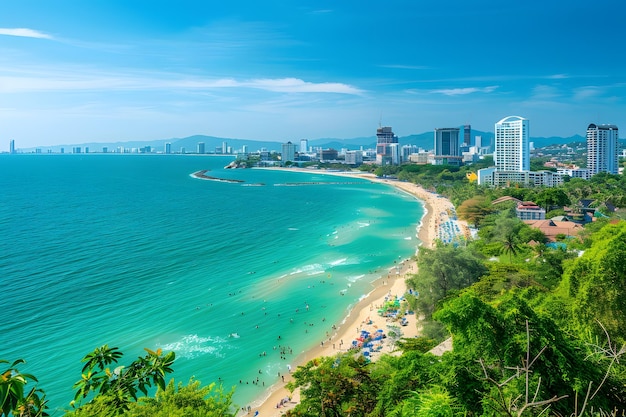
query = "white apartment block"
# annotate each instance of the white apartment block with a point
(602, 149)
(512, 149)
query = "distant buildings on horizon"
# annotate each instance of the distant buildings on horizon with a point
(511, 152)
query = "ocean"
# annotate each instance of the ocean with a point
(238, 278)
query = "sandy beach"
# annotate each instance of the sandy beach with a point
(439, 222)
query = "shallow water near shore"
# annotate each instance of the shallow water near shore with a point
(131, 251)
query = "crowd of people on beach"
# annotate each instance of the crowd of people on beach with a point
(449, 229)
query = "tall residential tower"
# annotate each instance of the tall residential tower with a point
(288, 152)
(602, 149)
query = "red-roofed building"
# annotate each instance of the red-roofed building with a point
(527, 210)
(552, 228)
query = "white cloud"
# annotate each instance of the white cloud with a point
(544, 92)
(279, 85)
(557, 76)
(295, 85)
(466, 90)
(71, 81)
(587, 92)
(24, 32)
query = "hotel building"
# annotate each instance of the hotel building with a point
(512, 149)
(512, 158)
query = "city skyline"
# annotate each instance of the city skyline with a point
(110, 71)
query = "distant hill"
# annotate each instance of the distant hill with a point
(541, 142)
(211, 143)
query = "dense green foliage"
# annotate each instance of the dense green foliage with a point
(121, 386)
(14, 398)
(594, 285)
(442, 270)
(536, 330)
(191, 400)
(109, 393)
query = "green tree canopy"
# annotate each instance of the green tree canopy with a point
(475, 209)
(501, 342)
(335, 386)
(120, 386)
(442, 270)
(15, 399)
(596, 283)
(552, 197)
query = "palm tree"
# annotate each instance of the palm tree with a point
(509, 245)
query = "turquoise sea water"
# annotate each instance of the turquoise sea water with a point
(131, 251)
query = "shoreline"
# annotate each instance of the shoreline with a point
(363, 316)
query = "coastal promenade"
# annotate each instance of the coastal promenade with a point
(439, 223)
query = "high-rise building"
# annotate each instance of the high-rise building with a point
(384, 138)
(168, 148)
(288, 152)
(304, 145)
(396, 154)
(201, 147)
(512, 151)
(12, 146)
(447, 146)
(602, 149)
(467, 135)
(406, 151)
(224, 148)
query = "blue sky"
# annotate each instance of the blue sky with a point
(118, 70)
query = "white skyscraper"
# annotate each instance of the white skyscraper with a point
(602, 149)
(512, 151)
(304, 145)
